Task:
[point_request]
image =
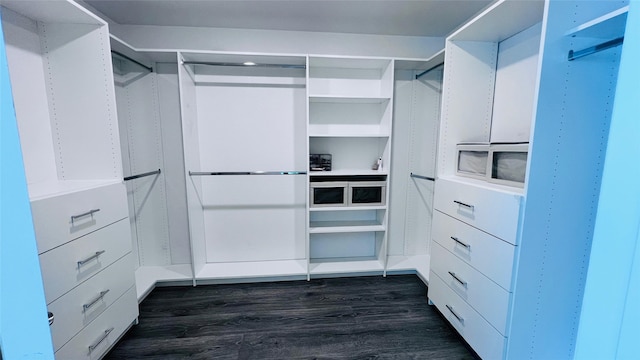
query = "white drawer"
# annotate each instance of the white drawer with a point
(79, 307)
(60, 219)
(482, 337)
(65, 267)
(482, 294)
(485, 253)
(99, 336)
(496, 212)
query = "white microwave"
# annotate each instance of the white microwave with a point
(351, 191)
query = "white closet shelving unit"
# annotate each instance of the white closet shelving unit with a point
(416, 105)
(546, 72)
(491, 67)
(350, 116)
(238, 121)
(141, 109)
(62, 84)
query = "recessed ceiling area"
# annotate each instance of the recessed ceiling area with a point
(435, 18)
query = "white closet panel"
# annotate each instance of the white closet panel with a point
(515, 87)
(22, 42)
(139, 119)
(245, 128)
(249, 127)
(415, 132)
(77, 109)
(253, 218)
(189, 118)
(169, 105)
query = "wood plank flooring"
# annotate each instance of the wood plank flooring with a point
(341, 318)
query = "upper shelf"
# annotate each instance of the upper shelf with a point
(502, 20)
(348, 99)
(608, 26)
(348, 63)
(53, 11)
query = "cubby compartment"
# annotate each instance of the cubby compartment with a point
(357, 117)
(353, 155)
(60, 72)
(342, 221)
(350, 79)
(490, 83)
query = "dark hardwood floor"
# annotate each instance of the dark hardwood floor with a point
(342, 318)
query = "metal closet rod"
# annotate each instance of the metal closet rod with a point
(142, 175)
(209, 173)
(429, 69)
(208, 63)
(422, 177)
(132, 60)
(594, 49)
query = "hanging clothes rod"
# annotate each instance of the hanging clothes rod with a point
(132, 60)
(594, 49)
(207, 173)
(422, 177)
(429, 69)
(142, 175)
(246, 64)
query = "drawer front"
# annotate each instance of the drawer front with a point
(58, 220)
(485, 253)
(482, 337)
(489, 210)
(486, 297)
(65, 267)
(101, 334)
(79, 307)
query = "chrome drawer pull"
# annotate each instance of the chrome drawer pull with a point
(453, 275)
(90, 212)
(461, 319)
(99, 341)
(94, 256)
(460, 242)
(86, 307)
(463, 204)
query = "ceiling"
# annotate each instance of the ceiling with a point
(382, 17)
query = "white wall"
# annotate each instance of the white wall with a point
(276, 41)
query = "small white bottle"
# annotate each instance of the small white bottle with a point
(379, 164)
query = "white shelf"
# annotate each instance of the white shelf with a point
(346, 208)
(329, 227)
(148, 276)
(348, 99)
(252, 269)
(45, 190)
(348, 62)
(346, 131)
(608, 26)
(53, 11)
(336, 266)
(347, 172)
(502, 20)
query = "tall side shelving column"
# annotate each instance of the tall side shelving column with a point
(350, 115)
